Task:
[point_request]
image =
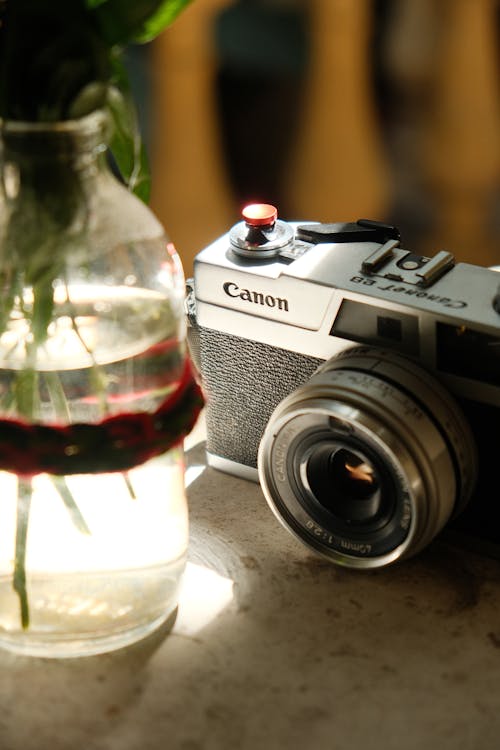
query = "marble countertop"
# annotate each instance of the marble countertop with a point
(275, 648)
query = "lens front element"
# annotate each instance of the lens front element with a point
(367, 461)
(345, 483)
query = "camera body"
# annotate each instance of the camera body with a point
(271, 302)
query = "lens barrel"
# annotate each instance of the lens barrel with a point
(367, 461)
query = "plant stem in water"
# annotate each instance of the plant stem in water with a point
(71, 506)
(24, 493)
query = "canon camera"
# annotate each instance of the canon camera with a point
(359, 382)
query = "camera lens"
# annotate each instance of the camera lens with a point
(345, 483)
(368, 460)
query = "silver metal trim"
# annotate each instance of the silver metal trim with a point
(379, 257)
(278, 236)
(232, 467)
(436, 267)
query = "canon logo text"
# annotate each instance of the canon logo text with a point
(256, 298)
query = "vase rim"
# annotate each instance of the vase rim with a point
(86, 124)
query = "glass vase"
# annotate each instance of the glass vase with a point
(95, 397)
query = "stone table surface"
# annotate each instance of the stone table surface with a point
(274, 647)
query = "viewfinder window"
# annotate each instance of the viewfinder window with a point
(369, 324)
(471, 354)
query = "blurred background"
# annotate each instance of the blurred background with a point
(332, 110)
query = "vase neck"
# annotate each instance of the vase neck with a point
(74, 145)
(51, 174)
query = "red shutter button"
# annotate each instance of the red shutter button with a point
(260, 214)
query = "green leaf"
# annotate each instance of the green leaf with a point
(125, 21)
(126, 144)
(159, 21)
